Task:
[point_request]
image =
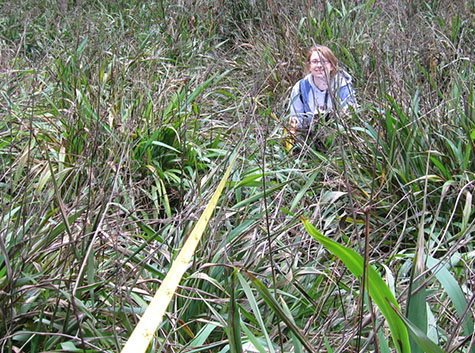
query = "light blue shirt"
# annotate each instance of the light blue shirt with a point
(320, 102)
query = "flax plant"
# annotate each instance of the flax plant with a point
(115, 118)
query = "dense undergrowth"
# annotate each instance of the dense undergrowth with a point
(117, 122)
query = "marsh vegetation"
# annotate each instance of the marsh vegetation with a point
(119, 118)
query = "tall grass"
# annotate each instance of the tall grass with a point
(116, 118)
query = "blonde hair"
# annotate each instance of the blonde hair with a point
(327, 54)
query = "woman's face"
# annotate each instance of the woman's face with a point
(320, 67)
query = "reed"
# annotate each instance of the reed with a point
(117, 121)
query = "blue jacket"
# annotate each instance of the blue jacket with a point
(307, 99)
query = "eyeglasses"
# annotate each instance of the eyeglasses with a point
(321, 62)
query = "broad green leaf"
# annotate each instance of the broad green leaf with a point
(419, 337)
(295, 340)
(203, 335)
(164, 145)
(383, 342)
(453, 290)
(250, 180)
(416, 298)
(417, 312)
(377, 288)
(70, 347)
(432, 328)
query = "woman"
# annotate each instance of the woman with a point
(326, 88)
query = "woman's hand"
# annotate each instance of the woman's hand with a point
(293, 124)
(345, 111)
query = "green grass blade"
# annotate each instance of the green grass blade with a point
(297, 344)
(203, 86)
(467, 211)
(302, 192)
(234, 321)
(327, 344)
(277, 309)
(258, 196)
(253, 339)
(255, 309)
(61, 227)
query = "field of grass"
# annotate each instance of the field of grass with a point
(118, 120)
